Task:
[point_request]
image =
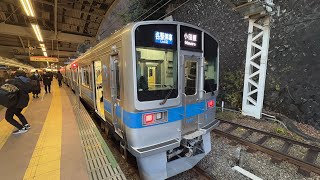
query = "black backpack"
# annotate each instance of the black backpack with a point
(9, 95)
(34, 85)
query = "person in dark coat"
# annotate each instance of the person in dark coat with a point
(36, 89)
(59, 77)
(47, 78)
(24, 86)
(143, 84)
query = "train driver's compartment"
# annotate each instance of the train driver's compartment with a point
(176, 69)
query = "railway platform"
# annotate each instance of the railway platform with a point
(63, 142)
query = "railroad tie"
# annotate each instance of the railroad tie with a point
(310, 157)
(305, 165)
(230, 129)
(246, 134)
(284, 149)
(262, 140)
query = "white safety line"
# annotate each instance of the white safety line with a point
(246, 173)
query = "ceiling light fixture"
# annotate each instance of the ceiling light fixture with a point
(43, 47)
(27, 6)
(36, 30)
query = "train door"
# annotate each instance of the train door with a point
(152, 77)
(192, 63)
(98, 88)
(115, 94)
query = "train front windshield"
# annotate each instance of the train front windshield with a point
(156, 62)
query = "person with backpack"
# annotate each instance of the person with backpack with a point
(22, 83)
(59, 77)
(47, 78)
(36, 78)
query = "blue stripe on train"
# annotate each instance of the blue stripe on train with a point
(107, 105)
(134, 119)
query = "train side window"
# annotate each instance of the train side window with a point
(117, 66)
(210, 63)
(86, 76)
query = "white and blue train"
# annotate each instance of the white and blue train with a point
(154, 83)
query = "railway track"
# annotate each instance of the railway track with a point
(305, 165)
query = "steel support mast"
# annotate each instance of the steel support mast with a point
(256, 67)
(258, 14)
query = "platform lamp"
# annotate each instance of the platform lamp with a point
(27, 6)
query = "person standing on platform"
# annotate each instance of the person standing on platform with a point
(59, 77)
(24, 86)
(36, 89)
(46, 78)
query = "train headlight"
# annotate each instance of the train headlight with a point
(158, 116)
(210, 104)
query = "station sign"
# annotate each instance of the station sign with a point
(43, 59)
(163, 37)
(191, 39)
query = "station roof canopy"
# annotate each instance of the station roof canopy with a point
(64, 24)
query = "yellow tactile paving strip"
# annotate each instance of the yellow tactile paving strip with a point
(6, 129)
(45, 161)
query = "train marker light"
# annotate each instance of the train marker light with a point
(148, 119)
(210, 104)
(159, 116)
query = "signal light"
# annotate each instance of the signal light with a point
(74, 65)
(148, 119)
(210, 104)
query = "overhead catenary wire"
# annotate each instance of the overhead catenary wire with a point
(174, 9)
(151, 13)
(157, 9)
(141, 15)
(147, 11)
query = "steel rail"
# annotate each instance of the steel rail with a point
(305, 166)
(273, 135)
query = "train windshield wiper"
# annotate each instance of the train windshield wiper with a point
(167, 97)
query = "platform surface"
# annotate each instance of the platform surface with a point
(63, 142)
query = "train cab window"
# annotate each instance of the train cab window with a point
(210, 63)
(156, 74)
(156, 62)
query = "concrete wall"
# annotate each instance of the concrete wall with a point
(293, 80)
(115, 20)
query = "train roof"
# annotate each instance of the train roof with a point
(133, 26)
